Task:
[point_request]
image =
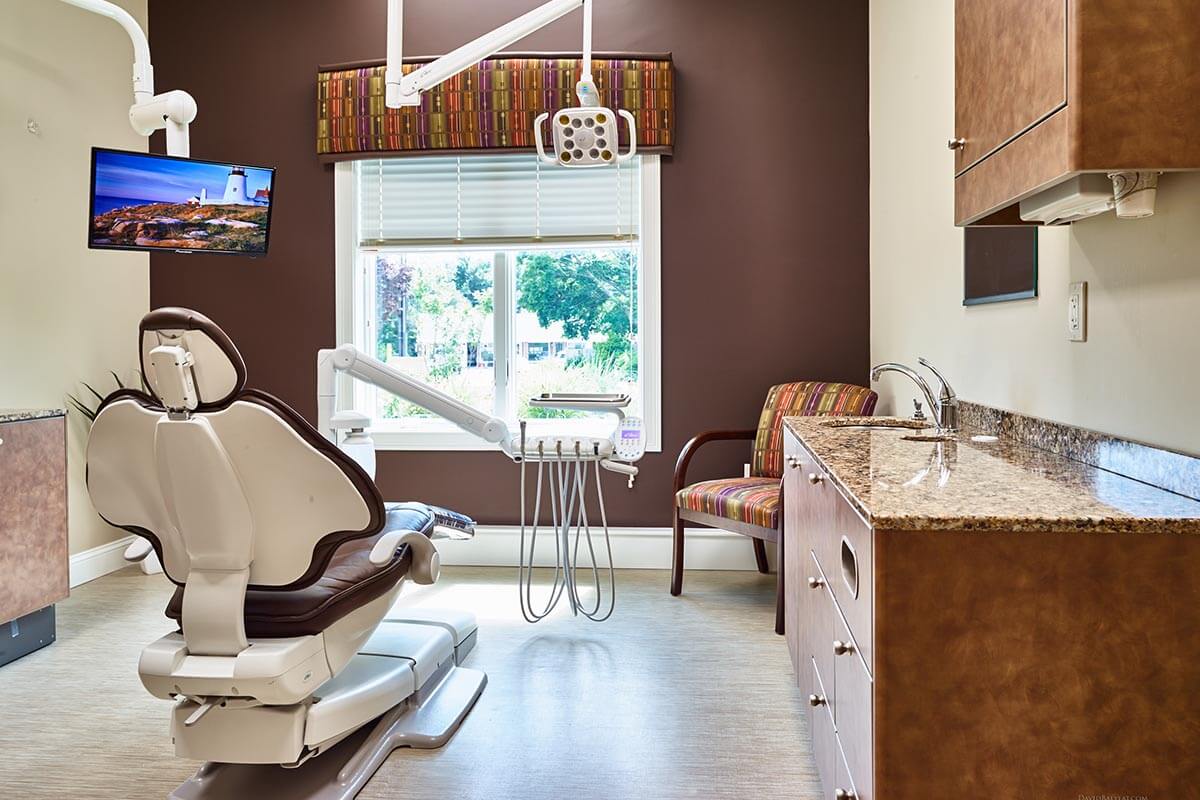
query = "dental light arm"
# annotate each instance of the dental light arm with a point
(172, 111)
(405, 90)
(357, 364)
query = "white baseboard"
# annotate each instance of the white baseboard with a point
(498, 546)
(97, 562)
(633, 548)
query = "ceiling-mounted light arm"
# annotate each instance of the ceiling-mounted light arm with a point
(171, 111)
(586, 90)
(405, 90)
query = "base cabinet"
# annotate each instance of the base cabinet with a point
(1006, 663)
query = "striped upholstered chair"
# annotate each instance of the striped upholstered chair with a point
(753, 506)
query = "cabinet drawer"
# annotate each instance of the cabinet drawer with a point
(852, 709)
(820, 726)
(820, 502)
(818, 621)
(842, 545)
(850, 574)
(844, 779)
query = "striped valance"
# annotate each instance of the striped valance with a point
(489, 107)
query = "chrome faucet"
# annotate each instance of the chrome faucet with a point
(944, 405)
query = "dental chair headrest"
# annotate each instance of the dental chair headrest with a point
(218, 372)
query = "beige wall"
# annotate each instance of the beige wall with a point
(66, 314)
(1138, 373)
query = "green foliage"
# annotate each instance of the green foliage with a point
(392, 281)
(420, 312)
(473, 279)
(588, 291)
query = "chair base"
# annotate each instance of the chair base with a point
(426, 720)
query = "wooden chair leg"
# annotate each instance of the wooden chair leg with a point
(779, 589)
(677, 557)
(760, 556)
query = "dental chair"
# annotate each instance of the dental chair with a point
(289, 673)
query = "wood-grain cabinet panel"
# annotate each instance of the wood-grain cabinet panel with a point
(33, 515)
(1010, 71)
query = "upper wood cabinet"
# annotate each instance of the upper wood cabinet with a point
(1007, 77)
(1048, 89)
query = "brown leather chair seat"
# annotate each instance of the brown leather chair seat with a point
(349, 582)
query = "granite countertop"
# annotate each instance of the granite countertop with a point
(20, 414)
(966, 485)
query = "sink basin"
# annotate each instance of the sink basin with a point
(929, 437)
(881, 425)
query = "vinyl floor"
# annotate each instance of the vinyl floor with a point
(687, 697)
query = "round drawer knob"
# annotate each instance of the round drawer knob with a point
(845, 794)
(814, 582)
(815, 479)
(841, 648)
(815, 700)
(957, 144)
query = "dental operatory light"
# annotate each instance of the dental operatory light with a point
(584, 136)
(170, 111)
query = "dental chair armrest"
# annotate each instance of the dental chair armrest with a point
(427, 564)
(138, 550)
(689, 450)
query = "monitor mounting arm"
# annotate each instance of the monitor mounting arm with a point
(405, 90)
(171, 111)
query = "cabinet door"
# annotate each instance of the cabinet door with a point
(33, 516)
(1010, 71)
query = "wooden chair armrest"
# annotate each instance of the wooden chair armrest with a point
(689, 450)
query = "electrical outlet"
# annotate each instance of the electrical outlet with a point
(1077, 312)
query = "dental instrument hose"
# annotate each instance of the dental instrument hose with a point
(565, 479)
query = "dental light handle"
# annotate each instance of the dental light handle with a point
(632, 123)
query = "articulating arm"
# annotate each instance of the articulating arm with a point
(405, 90)
(357, 364)
(172, 111)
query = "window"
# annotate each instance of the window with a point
(495, 278)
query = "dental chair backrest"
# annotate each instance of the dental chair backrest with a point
(231, 486)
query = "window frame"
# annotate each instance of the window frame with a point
(354, 295)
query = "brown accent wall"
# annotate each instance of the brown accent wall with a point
(764, 205)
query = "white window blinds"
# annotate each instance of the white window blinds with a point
(481, 199)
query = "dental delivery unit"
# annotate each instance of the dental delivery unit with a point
(564, 462)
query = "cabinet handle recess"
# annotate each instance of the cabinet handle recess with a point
(815, 479)
(841, 648)
(814, 582)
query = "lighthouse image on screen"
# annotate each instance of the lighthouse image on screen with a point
(141, 201)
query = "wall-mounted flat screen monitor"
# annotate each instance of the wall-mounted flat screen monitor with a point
(141, 201)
